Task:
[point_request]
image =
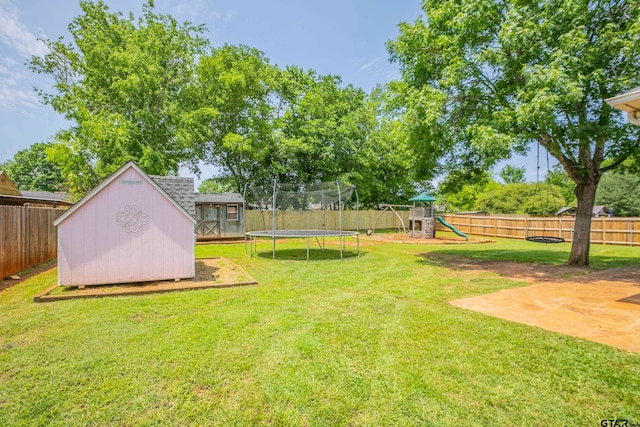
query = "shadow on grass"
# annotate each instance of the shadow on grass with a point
(551, 254)
(535, 265)
(314, 254)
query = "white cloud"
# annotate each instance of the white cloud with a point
(12, 98)
(15, 91)
(14, 34)
(371, 63)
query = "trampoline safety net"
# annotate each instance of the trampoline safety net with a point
(301, 197)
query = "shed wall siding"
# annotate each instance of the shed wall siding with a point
(94, 249)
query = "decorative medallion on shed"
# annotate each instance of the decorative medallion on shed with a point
(131, 218)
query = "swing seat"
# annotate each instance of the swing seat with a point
(545, 239)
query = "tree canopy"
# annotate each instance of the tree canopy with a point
(522, 198)
(620, 192)
(513, 174)
(121, 83)
(484, 78)
(30, 169)
(152, 90)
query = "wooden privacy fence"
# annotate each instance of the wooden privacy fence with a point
(27, 237)
(604, 230)
(312, 220)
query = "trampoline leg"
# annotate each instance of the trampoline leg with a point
(274, 248)
(358, 243)
(320, 245)
(307, 249)
(340, 241)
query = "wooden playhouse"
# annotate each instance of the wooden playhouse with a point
(130, 228)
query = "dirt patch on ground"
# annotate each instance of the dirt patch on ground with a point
(601, 306)
(24, 275)
(403, 238)
(526, 272)
(210, 273)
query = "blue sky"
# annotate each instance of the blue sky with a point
(343, 37)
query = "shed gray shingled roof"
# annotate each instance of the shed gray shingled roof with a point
(180, 189)
(219, 198)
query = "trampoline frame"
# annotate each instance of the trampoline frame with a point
(252, 238)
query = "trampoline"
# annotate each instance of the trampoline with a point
(320, 196)
(252, 237)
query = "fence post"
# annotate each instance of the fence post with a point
(560, 227)
(604, 232)
(526, 227)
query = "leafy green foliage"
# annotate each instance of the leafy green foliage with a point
(121, 82)
(231, 126)
(620, 192)
(513, 174)
(484, 78)
(216, 185)
(522, 198)
(558, 176)
(324, 129)
(463, 197)
(30, 169)
(259, 123)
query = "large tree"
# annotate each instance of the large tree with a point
(232, 125)
(257, 122)
(31, 169)
(121, 84)
(482, 78)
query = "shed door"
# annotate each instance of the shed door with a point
(208, 220)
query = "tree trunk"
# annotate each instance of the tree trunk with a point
(586, 195)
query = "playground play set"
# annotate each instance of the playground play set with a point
(422, 219)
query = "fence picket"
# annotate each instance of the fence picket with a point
(27, 237)
(604, 230)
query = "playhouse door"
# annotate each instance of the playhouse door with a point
(208, 220)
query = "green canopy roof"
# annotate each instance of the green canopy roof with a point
(424, 197)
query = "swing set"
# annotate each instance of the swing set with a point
(544, 237)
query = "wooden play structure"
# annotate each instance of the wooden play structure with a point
(422, 219)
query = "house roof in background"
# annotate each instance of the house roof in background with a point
(571, 210)
(22, 200)
(180, 189)
(46, 195)
(7, 187)
(628, 101)
(113, 177)
(219, 198)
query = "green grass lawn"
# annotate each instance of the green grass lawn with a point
(367, 341)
